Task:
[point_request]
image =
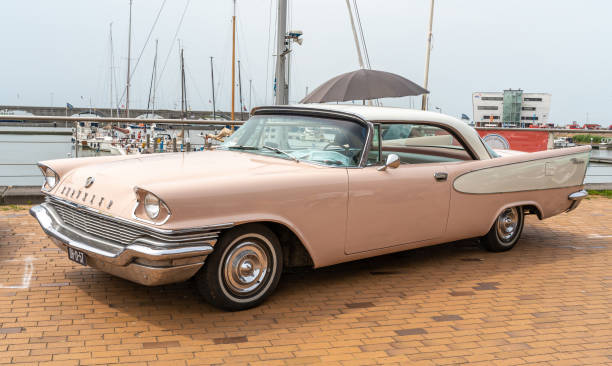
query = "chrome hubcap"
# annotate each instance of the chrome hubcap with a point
(246, 268)
(507, 224)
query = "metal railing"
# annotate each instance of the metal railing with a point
(164, 121)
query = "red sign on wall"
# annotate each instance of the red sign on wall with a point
(520, 140)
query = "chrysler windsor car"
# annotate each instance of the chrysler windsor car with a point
(299, 186)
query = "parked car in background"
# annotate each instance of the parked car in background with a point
(305, 185)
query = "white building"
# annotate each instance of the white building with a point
(510, 108)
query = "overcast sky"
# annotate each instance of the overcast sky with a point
(59, 51)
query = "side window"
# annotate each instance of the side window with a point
(416, 144)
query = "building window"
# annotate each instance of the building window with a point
(528, 108)
(533, 99)
(487, 108)
(528, 118)
(492, 98)
(488, 118)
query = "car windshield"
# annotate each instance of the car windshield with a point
(330, 142)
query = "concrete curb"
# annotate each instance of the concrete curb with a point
(20, 195)
(598, 186)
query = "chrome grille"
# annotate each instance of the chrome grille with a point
(121, 232)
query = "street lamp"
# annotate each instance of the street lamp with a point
(439, 109)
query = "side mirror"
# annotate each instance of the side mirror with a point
(393, 161)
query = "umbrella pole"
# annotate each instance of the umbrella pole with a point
(429, 35)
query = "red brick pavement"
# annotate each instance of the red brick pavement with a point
(546, 302)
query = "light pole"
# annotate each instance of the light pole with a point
(439, 109)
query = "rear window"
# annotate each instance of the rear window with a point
(491, 151)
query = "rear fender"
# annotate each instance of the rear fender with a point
(526, 172)
(482, 189)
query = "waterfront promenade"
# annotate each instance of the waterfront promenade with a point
(546, 302)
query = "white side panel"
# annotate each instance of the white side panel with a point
(557, 172)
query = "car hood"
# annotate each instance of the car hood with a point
(167, 175)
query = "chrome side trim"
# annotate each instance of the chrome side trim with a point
(139, 225)
(576, 197)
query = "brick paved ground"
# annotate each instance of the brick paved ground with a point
(546, 302)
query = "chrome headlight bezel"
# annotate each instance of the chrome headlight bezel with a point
(150, 208)
(50, 176)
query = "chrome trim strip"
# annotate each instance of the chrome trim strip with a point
(139, 225)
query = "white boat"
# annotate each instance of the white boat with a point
(562, 142)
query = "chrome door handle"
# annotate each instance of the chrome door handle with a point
(440, 176)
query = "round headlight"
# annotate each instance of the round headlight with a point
(50, 177)
(151, 205)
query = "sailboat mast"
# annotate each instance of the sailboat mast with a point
(212, 82)
(348, 5)
(429, 35)
(182, 85)
(281, 87)
(154, 78)
(151, 99)
(233, 58)
(359, 56)
(111, 68)
(183, 104)
(127, 86)
(240, 92)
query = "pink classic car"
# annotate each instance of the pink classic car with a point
(300, 186)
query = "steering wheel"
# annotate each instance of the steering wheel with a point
(332, 144)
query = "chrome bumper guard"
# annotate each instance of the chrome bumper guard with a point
(147, 262)
(576, 197)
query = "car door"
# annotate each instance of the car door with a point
(409, 203)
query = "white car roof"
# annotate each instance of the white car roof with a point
(374, 114)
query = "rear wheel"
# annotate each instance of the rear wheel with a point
(243, 270)
(506, 230)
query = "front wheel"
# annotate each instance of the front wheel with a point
(506, 230)
(243, 270)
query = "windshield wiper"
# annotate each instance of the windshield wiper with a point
(241, 147)
(279, 151)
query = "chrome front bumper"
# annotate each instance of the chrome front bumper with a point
(576, 197)
(149, 265)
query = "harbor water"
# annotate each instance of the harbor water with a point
(19, 154)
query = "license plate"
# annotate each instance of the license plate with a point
(77, 256)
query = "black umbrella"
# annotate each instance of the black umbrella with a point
(363, 85)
